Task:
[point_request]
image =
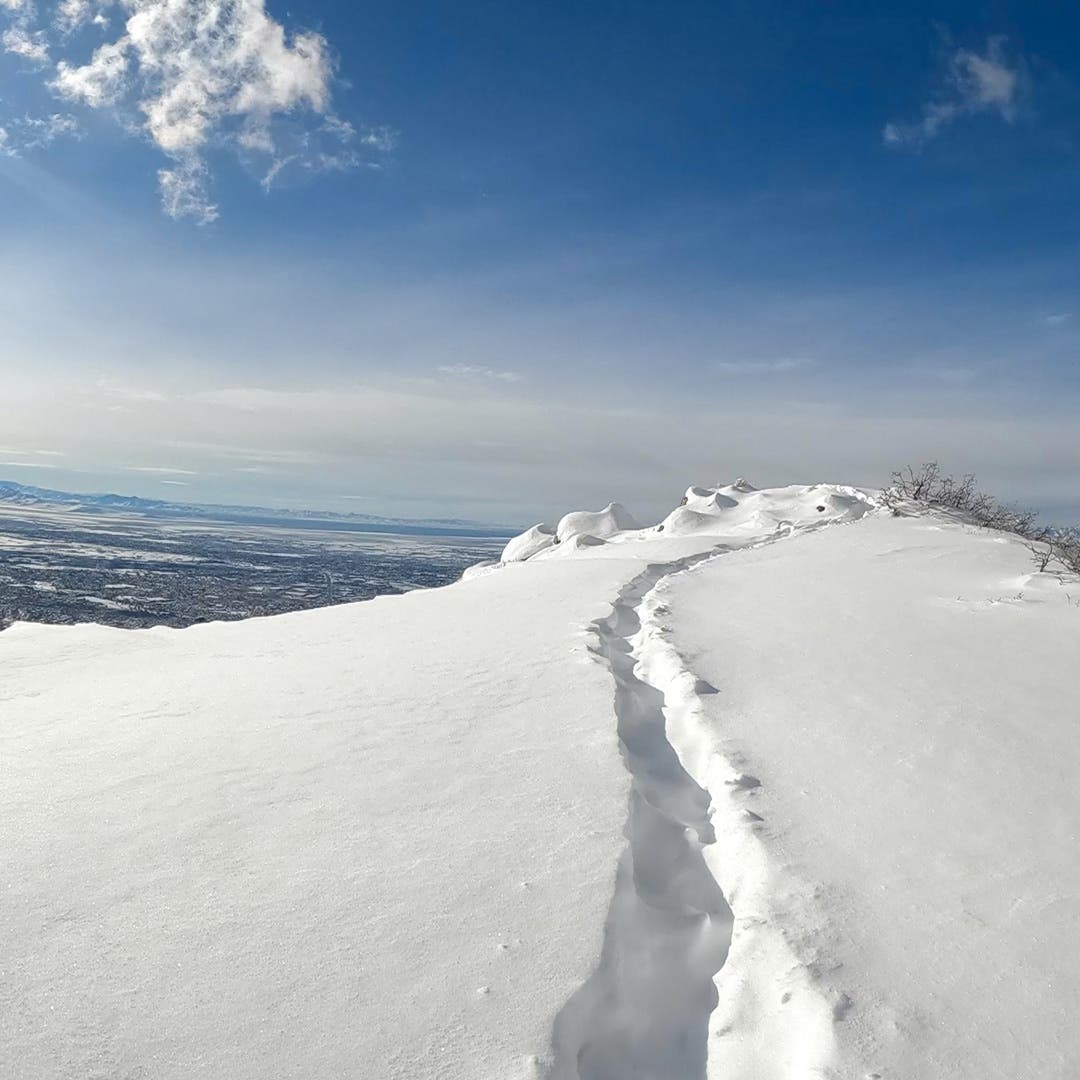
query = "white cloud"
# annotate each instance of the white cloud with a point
(195, 76)
(71, 14)
(41, 131)
(472, 371)
(160, 470)
(184, 191)
(1059, 318)
(973, 83)
(30, 46)
(192, 67)
(36, 132)
(99, 83)
(383, 139)
(332, 148)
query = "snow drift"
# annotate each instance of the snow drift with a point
(780, 787)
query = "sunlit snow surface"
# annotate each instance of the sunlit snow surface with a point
(783, 788)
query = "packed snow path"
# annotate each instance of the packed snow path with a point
(643, 1014)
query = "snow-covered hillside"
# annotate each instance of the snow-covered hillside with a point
(781, 787)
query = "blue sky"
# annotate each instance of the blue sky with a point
(503, 260)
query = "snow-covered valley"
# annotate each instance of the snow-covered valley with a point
(783, 787)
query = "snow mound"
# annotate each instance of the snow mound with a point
(732, 511)
(739, 508)
(704, 500)
(528, 543)
(686, 522)
(614, 518)
(575, 543)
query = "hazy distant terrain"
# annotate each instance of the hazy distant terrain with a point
(70, 564)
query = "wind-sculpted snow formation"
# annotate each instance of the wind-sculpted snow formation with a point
(731, 510)
(778, 788)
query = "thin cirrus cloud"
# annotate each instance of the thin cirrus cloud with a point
(762, 367)
(159, 470)
(972, 83)
(474, 371)
(35, 132)
(195, 76)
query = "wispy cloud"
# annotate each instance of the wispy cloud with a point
(1059, 318)
(972, 83)
(473, 371)
(30, 46)
(196, 75)
(25, 133)
(761, 367)
(114, 389)
(184, 191)
(8, 451)
(159, 470)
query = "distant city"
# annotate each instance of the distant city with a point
(132, 563)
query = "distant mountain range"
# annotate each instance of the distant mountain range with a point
(13, 494)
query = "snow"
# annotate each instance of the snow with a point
(375, 840)
(529, 543)
(739, 509)
(600, 524)
(903, 695)
(784, 789)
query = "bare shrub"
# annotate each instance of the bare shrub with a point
(925, 486)
(1042, 554)
(1066, 545)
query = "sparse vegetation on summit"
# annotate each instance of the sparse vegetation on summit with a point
(926, 486)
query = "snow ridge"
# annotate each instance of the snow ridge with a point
(775, 1018)
(644, 1012)
(664, 1002)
